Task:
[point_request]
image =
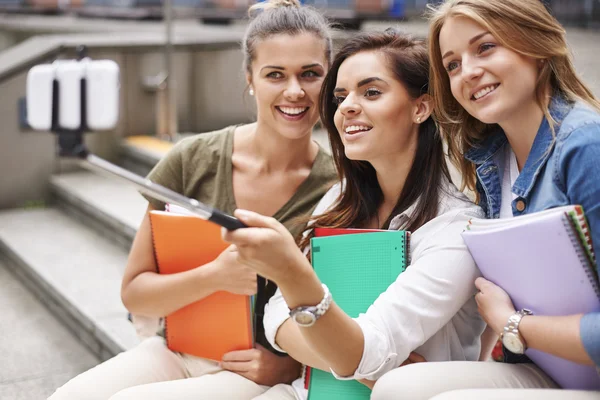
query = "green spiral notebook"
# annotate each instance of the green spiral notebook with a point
(357, 268)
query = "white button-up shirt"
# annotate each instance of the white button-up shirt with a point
(429, 309)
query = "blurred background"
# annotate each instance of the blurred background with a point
(65, 232)
(584, 13)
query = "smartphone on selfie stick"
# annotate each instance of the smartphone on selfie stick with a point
(71, 97)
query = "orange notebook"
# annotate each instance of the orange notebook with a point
(217, 324)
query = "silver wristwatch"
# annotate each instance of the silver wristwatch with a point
(511, 338)
(306, 316)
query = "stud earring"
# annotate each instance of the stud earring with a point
(418, 120)
(251, 92)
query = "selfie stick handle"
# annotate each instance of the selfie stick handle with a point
(71, 144)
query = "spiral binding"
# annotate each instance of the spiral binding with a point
(581, 253)
(162, 322)
(407, 253)
(578, 219)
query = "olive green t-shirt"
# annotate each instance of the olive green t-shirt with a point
(200, 167)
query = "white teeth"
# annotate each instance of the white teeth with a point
(293, 110)
(484, 91)
(355, 128)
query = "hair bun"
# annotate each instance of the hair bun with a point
(281, 3)
(271, 4)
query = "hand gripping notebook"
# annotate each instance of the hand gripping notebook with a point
(217, 324)
(545, 262)
(357, 268)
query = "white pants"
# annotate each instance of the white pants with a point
(484, 380)
(518, 394)
(151, 371)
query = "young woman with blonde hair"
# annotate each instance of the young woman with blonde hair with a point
(270, 166)
(525, 131)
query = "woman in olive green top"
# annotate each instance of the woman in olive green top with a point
(272, 167)
(206, 167)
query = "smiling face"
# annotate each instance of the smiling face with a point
(375, 112)
(287, 74)
(491, 82)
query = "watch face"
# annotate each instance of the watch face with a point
(513, 343)
(304, 318)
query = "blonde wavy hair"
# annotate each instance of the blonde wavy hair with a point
(523, 26)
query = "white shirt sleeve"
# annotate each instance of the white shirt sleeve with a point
(276, 313)
(422, 300)
(276, 310)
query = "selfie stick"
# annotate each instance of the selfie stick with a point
(44, 104)
(71, 144)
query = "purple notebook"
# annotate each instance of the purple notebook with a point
(544, 262)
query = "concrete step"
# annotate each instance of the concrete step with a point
(111, 207)
(140, 153)
(74, 271)
(38, 353)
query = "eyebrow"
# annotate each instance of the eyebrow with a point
(312, 66)
(369, 80)
(283, 69)
(273, 67)
(361, 83)
(471, 41)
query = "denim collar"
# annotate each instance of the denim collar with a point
(540, 150)
(487, 147)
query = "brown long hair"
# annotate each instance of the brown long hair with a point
(523, 26)
(361, 195)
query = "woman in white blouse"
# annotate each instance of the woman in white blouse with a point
(389, 155)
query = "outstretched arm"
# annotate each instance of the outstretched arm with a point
(270, 250)
(420, 302)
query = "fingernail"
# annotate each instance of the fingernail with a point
(242, 213)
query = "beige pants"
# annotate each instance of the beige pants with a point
(518, 394)
(423, 381)
(151, 371)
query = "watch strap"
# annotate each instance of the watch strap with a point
(317, 310)
(512, 325)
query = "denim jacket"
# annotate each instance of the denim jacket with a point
(559, 171)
